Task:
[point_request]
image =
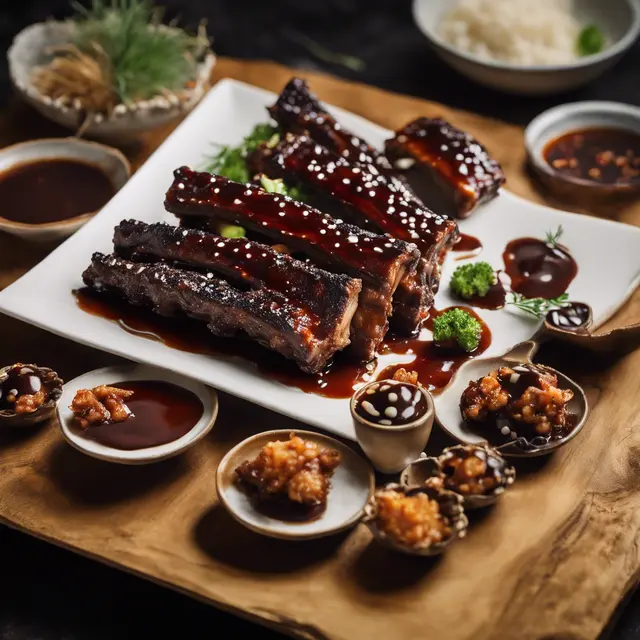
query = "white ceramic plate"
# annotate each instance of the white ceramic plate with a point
(351, 486)
(608, 255)
(109, 375)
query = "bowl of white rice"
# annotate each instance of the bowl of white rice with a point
(530, 47)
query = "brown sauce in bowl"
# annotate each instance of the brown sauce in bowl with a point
(161, 412)
(601, 155)
(53, 190)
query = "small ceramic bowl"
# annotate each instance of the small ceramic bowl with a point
(351, 486)
(391, 448)
(555, 122)
(450, 507)
(448, 403)
(51, 382)
(618, 19)
(110, 161)
(108, 375)
(29, 50)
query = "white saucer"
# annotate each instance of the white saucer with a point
(351, 486)
(109, 375)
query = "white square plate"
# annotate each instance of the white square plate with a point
(607, 253)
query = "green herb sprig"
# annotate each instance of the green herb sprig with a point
(591, 40)
(537, 307)
(552, 237)
(325, 55)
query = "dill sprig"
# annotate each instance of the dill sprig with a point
(145, 57)
(537, 307)
(552, 237)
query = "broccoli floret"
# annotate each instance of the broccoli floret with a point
(457, 327)
(473, 279)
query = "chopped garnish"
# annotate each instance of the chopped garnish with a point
(457, 326)
(552, 237)
(473, 279)
(537, 307)
(591, 40)
(278, 186)
(230, 230)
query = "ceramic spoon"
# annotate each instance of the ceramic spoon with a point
(616, 341)
(448, 403)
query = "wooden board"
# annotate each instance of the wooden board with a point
(552, 560)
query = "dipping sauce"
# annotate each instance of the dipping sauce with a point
(573, 317)
(601, 155)
(162, 412)
(469, 245)
(20, 381)
(538, 269)
(52, 190)
(391, 403)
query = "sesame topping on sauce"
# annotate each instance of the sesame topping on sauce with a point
(391, 403)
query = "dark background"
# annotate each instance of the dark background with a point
(51, 594)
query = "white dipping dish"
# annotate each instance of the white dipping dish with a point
(352, 484)
(109, 375)
(618, 19)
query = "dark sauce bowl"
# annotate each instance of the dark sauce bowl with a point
(109, 161)
(559, 121)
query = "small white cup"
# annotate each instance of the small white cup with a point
(392, 448)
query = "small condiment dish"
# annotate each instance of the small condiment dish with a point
(129, 373)
(110, 161)
(450, 507)
(52, 384)
(566, 118)
(618, 19)
(351, 486)
(391, 447)
(448, 403)
(431, 471)
(30, 49)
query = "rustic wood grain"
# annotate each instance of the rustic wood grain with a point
(551, 561)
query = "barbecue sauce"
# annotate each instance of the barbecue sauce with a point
(161, 412)
(572, 317)
(53, 190)
(469, 245)
(539, 269)
(391, 403)
(435, 366)
(21, 380)
(602, 155)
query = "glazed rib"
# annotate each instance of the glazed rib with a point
(380, 262)
(243, 263)
(297, 110)
(369, 202)
(448, 168)
(266, 316)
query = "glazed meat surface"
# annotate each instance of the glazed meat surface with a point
(267, 316)
(100, 405)
(297, 110)
(379, 261)
(296, 468)
(369, 202)
(450, 171)
(242, 262)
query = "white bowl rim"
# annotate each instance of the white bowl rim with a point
(567, 114)
(207, 396)
(62, 142)
(618, 47)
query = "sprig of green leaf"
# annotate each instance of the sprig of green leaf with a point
(537, 307)
(314, 48)
(591, 40)
(552, 237)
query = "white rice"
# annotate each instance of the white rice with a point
(521, 32)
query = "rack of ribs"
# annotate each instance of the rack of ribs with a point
(285, 324)
(448, 169)
(368, 201)
(379, 261)
(298, 111)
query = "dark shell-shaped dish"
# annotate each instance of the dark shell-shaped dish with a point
(499, 470)
(52, 385)
(450, 507)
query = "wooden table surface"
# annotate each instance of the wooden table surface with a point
(552, 560)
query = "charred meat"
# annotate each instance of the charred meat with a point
(449, 169)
